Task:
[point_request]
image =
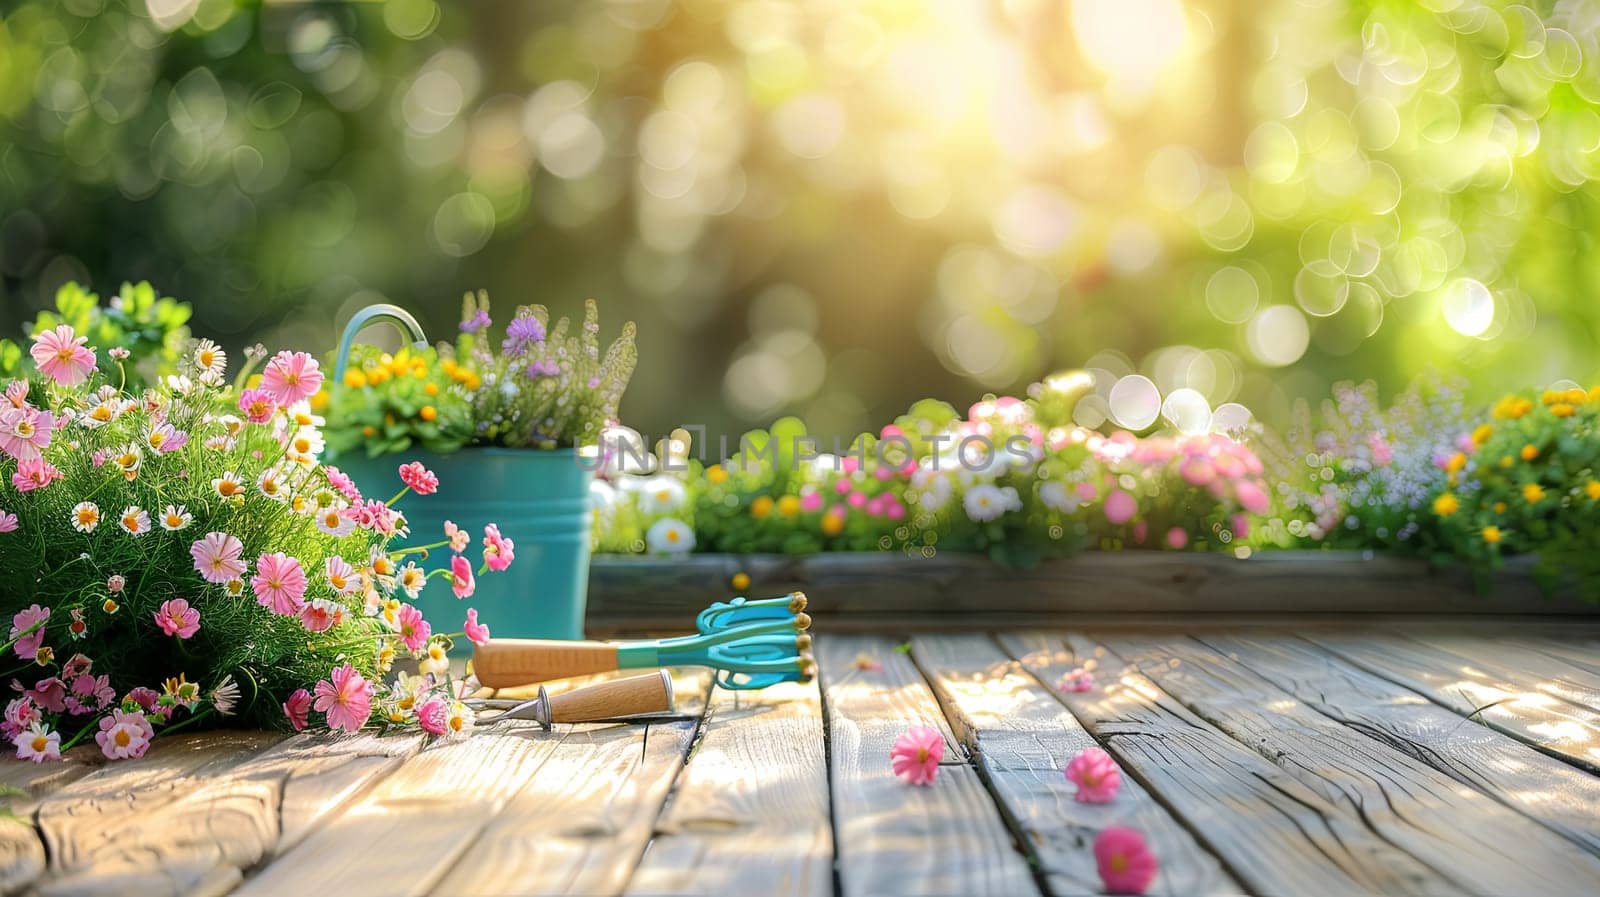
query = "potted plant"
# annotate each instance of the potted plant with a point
(512, 424)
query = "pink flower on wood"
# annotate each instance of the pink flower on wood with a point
(124, 735)
(346, 698)
(296, 708)
(61, 355)
(1078, 679)
(279, 583)
(477, 633)
(498, 551)
(421, 480)
(291, 377)
(434, 716)
(1126, 863)
(461, 581)
(1095, 774)
(176, 617)
(915, 756)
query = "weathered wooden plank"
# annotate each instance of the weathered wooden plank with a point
(1022, 739)
(1509, 704)
(21, 855)
(106, 833)
(749, 814)
(581, 823)
(1474, 842)
(1532, 669)
(641, 592)
(1578, 650)
(895, 838)
(403, 836)
(1275, 835)
(1545, 789)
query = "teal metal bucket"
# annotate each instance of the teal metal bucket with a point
(539, 499)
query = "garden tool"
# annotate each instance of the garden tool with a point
(751, 644)
(631, 700)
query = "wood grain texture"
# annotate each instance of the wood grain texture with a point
(21, 855)
(1273, 833)
(1545, 789)
(1022, 739)
(1504, 700)
(405, 834)
(1476, 844)
(581, 823)
(134, 825)
(1533, 669)
(636, 592)
(749, 814)
(895, 838)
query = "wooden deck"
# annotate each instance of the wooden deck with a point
(1453, 758)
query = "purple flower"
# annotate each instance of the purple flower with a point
(544, 368)
(523, 331)
(478, 321)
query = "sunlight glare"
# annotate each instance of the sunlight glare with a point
(1130, 41)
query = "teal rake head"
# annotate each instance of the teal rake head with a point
(751, 644)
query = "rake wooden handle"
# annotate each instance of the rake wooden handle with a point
(510, 662)
(632, 696)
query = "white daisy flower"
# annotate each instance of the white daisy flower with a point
(175, 517)
(669, 536)
(85, 516)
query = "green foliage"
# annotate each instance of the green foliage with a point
(154, 329)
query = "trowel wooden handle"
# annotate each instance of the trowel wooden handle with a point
(632, 696)
(510, 662)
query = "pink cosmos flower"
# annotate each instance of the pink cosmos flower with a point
(216, 558)
(296, 708)
(811, 502)
(61, 356)
(915, 756)
(25, 432)
(341, 481)
(50, 694)
(176, 617)
(498, 551)
(1251, 496)
(279, 583)
(461, 581)
(1079, 680)
(35, 474)
(421, 480)
(291, 377)
(434, 716)
(20, 714)
(94, 692)
(414, 630)
(258, 405)
(1120, 507)
(27, 646)
(8, 521)
(1126, 864)
(17, 393)
(477, 633)
(148, 699)
(1241, 526)
(124, 735)
(345, 697)
(459, 538)
(1095, 774)
(1177, 538)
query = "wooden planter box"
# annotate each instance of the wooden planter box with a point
(873, 590)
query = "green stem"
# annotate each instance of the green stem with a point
(194, 718)
(81, 732)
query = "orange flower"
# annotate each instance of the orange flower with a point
(1529, 452)
(428, 413)
(1562, 409)
(1532, 493)
(761, 507)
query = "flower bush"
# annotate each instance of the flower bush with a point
(1527, 480)
(178, 553)
(154, 329)
(540, 386)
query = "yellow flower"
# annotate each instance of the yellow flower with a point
(715, 475)
(1445, 505)
(1575, 396)
(1521, 408)
(1506, 461)
(832, 524)
(1482, 434)
(1550, 396)
(1491, 534)
(110, 606)
(428, 413)
(378, 376)
(1532, 493)
(431, 389)
(1529, 452)
(319, 400)
(1594, 393)
(355, 379)
(1562, 409)
(789, 505)
(741, 581)
(1592, 489)
(1456, 462)
(761, 507)
(1499, 507)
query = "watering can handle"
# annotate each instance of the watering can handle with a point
(373, 314)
